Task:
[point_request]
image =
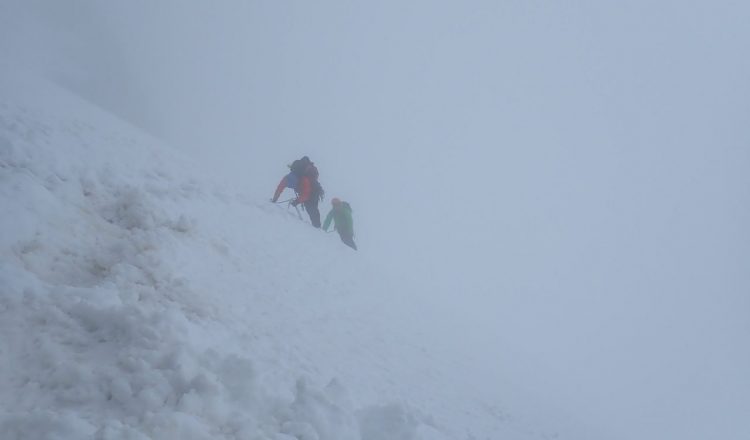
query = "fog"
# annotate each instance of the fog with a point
(565, 184)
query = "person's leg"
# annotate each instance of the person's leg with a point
(311, 206)
(348, 240)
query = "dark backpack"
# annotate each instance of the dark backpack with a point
(299, 167)
(305, 167)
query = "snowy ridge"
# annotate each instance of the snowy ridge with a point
(130, 309)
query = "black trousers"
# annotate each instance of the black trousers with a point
(311, 206)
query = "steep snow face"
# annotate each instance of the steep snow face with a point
(139, 301)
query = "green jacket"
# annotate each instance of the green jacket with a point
(342, 219)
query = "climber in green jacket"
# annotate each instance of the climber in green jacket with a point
(341, 214)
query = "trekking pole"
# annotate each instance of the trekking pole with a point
(295, 208)
(284, 201)
(298, 213)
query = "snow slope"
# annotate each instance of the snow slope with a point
(140, 300)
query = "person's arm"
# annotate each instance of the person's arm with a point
(327, 223)
(279, 189)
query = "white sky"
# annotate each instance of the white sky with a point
(564, 179)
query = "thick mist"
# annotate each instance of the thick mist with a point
(566, 186)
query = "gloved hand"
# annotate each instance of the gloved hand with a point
(295, 202)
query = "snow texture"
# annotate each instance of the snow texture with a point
(139, 300)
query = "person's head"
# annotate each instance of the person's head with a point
(336, 202)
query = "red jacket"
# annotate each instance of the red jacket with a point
(304, 189)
